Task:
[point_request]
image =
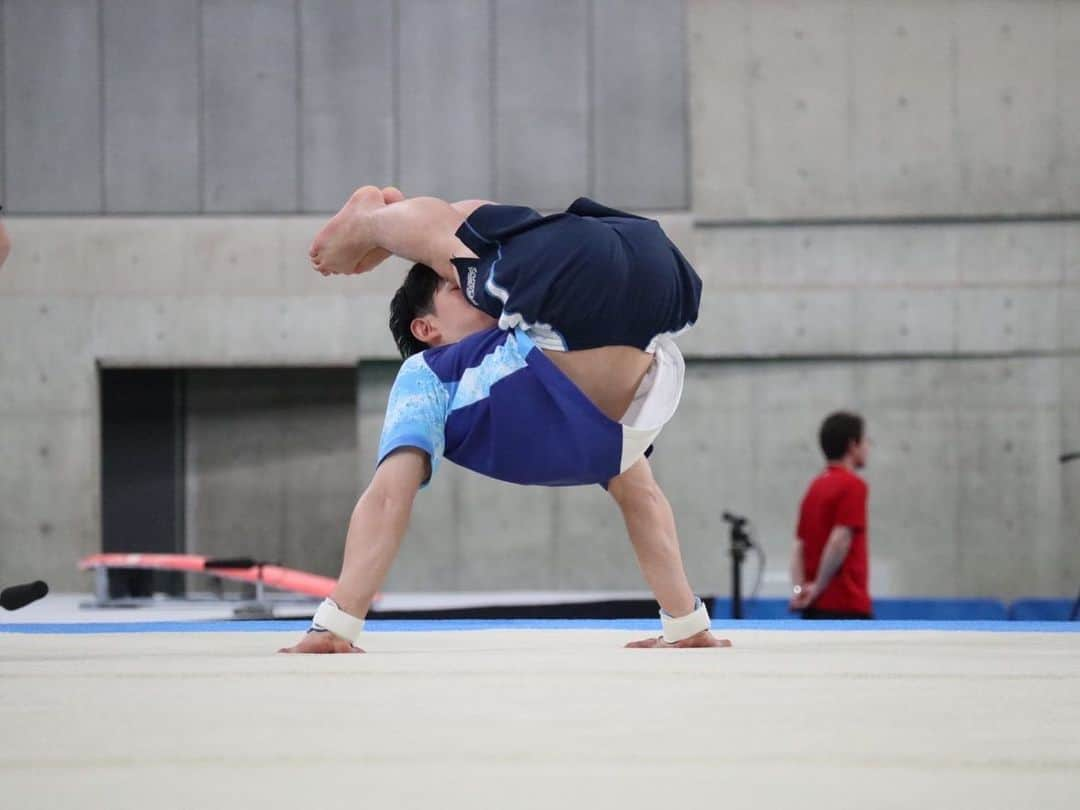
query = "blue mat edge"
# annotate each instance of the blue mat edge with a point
(417, 626)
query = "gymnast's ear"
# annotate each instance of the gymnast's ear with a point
(425, 330)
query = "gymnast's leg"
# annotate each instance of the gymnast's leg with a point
(651, 526)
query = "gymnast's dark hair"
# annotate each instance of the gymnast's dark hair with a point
(414, 298)
(837, 433)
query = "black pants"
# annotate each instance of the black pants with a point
(814, 613)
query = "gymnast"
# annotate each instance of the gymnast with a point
(538, 350)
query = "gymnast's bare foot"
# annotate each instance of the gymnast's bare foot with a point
(699, 640)
(373, 258)
(321, 643)
(343, 244)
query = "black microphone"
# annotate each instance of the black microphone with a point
(230, 562)
(18, 596)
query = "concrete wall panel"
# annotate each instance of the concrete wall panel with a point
(807, 257)
(913, 517)
(1007, 319)
(271, 464)
(44, 365)
(1067, 82)
(51, 516)
(445, 95)
(590, 547)
(347, 99)
(722, 128)
(801, 109)
(249, 113)
(52, 96)
(639, 104)
(506, 533)
(1070, 474)
(903, 145)
(541, 102)
(905, 255)
(1029, 253)
(151, 103)
(1010, 512)
(729, 258)
(907, 322)
(1069, 317)
(428, 560)
(1006, 119)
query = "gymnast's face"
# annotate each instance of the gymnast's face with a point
(452, 317)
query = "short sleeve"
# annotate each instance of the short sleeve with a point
(851, 507)
(416, 412)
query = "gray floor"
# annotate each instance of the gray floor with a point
(531, 718)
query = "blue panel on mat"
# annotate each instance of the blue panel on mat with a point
(641, 625)
(1041, 610)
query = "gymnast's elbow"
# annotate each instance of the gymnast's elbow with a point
(384, 498)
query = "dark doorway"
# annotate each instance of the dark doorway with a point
(142, 473)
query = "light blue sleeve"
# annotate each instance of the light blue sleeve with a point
(416, 413)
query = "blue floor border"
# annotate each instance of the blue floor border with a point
(427, 626)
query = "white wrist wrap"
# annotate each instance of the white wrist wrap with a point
(685, 626)
(332, 618)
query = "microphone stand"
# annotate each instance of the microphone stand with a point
(740, 544)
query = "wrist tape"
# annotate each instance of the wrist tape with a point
(331, 618)
(678, 629)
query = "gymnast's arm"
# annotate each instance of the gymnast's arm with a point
(376, 529)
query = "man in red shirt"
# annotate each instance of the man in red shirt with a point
(830, 566)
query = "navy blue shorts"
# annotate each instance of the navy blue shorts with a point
(586, 278)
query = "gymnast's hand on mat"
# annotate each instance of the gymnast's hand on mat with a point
(321, 643)
(345, 245)
(699, 640)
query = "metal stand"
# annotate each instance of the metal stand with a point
(740, 544)
(260, 607)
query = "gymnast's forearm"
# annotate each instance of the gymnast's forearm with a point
(378, 524)
(421, 229)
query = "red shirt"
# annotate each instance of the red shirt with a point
(837, 497)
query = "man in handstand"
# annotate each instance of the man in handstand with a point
(538, 351)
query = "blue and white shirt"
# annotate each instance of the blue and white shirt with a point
(495, 404)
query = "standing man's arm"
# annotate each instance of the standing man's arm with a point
(376, 529)
(797, 568)
(836, 551)
(5, 244)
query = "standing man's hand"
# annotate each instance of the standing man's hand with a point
(321, 642)
(803, 595)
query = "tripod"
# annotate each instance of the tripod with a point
(740, 544)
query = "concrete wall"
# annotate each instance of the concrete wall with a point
(882, 204)
(283, 106)
(878, 108)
